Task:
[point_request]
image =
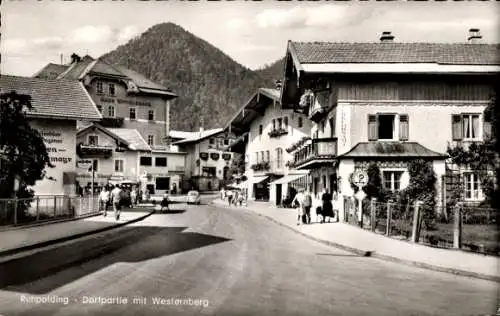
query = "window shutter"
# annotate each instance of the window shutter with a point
(456, 127)
(372, 127)
(487, 130)
(403, 127)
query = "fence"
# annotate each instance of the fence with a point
(462, 227)
(45, 208)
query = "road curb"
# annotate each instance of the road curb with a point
(18, 227)
(14, 251)
(374, 254)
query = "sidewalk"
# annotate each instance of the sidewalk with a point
(17, 240)
(354, 239)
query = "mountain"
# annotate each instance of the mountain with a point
(273, 71)
(210, 84)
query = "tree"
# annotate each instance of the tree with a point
(23, 151)
(237, 167)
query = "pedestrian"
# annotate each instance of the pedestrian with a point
(299, 201)
(116, 195)
(222, 194)
(104, 200)
(229, 197)
(133, 197)
(164, 203)
(306, 219)
(236, 197)
(327, 208)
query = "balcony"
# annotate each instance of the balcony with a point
(277, 132)
(269, 167)
(320, 152)
(96, 151)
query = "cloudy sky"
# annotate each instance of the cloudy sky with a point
(35, 33)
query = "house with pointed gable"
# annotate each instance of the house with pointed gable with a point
(388, 103)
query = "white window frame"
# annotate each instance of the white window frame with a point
(154, 115)
(475, 178)
(152, 143)
(109, 111)
(123, 165)
(479, 129)
(99, 87)
(93, 135)
(393, 170)
(112, 86)
(130, 111)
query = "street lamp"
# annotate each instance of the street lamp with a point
(16, 188)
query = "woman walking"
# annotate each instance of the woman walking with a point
(327, 207)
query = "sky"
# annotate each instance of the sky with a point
(254, 34)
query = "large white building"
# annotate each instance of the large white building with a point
(267, 131)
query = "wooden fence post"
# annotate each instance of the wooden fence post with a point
(416, 222)
(389, 218)
(457, 227)
(373, 209)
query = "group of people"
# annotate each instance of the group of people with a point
(116, 197)
(233, 197)
(303, 202)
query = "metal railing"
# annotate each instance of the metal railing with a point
(24, 211)
(463, 227)
(319, 147)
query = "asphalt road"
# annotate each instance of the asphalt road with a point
(233, 262)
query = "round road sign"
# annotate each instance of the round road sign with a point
(360, 178)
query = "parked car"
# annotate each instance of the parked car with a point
(193, 197)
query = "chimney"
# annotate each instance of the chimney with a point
(474, 36)
(386, 37)
(278, 84)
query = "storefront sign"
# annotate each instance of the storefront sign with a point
(125, 101)
(54, 144)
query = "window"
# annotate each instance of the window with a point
(132, 114)
(383, 127)
(260, 129)
(274, 125)
(268, 156)
(146, 161)
(332, 127)
(161, 161)
(95, 165)
(280, 123)
(279, 157)
(162, 183)
(111, 89)
(151, 140)
(151, 115)
(99, 87)
(93, 140)
(392, 180)
(300, 123)
(256, 157)
(111, 111)
(211, 141)
(226, 142)
(262, 156)
(285, 121)
(99, 107)
(465, 126)
(119, 165)
(471, 183)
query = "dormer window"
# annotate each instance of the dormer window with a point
(151, 115)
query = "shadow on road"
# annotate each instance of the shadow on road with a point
(171, 211)
(35, 274)
(340, 255)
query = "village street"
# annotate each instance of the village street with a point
(233, 262)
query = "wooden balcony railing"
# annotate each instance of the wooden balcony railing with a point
(320, 148)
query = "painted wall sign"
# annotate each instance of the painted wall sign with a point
(54, 142)
(125, 101)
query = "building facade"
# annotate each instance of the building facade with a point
(267, 131)
(387, 108)
(57, 105)
(207, 160)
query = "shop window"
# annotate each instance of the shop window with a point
(151, 140)
(132, 113)
(151, 115)
(161, 161)
(162, 183)
(146, 161)
(119, 165)
(111, 89)
(392, 180)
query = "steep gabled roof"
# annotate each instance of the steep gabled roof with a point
(56, 99)
(449, 54)
(103, 130)
(133, 137)
(50, 71)
(197, 137)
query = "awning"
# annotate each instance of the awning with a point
(288, 178)
(242, 185)
(259, 179)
